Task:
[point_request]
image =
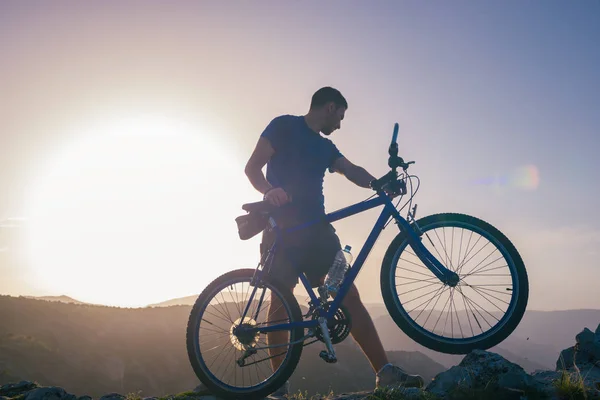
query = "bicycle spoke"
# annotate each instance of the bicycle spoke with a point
(452, 247)
(443, 308)
(422, 287)
(433, 308)
(216, 316)
(486, 270)
(414, 263)
(484, 260)
(478, 251)
(482, 309)
(473, 308)
(435, 247)
(449, 311)
(467, 251)
(416, 298)
(466, 311)
(436, 279)
(457, 320)
(420, 273)
(491, 295)
(223, 332)
(225, 307)
(464, 261)
(492, 290)
(462, 231)
(425, 302)
(236, 301)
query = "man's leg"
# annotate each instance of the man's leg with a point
(364, 332)
(367, 338)
(278, 313)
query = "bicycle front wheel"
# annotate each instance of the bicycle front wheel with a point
(236, 365)
(478, 313)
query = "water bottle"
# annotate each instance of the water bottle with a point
(338, 269)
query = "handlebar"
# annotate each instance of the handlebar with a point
(394, 162)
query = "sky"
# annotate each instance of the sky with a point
(125, 127)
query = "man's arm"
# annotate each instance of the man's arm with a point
(354, 173)
(259, 158)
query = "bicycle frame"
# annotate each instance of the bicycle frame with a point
(389, 210)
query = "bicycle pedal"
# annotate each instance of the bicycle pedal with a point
(327, 358)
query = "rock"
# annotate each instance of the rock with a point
(585, 336)
(49, 393)
(591, 376)
(449, 380)
(545, 382)
(598, 332)
(565, 359)
(112, 396)
(412, 393)
(588, 352)
(14, 389)
(84, 398)
(201, 388)
(483, 371)
(350, 396)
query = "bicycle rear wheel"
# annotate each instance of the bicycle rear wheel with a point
(481, 311)
(214, 349)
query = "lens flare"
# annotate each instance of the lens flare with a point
(525, 177)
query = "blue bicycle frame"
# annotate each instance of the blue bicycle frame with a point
(445, 275)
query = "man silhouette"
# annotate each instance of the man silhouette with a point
(297, 157)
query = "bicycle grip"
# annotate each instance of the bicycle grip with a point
(395, 135)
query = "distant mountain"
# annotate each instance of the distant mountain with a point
(180, 301)
(99, 349)
(190, 300)
(63, 299)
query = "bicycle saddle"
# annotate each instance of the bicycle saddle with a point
(259, 207)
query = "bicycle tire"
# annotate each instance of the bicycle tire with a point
(278, 378)
(417, 333)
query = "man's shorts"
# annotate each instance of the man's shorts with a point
(313, 248)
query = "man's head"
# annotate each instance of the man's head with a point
(329, 106)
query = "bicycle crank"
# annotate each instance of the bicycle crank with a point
(329, 355)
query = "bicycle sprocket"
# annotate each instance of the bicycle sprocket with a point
(339, 326)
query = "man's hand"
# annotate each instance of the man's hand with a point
(277, 196)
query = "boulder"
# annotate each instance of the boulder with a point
(15, 389)
(49, 393)
(585, 336)
(112, 396)
(484, 371)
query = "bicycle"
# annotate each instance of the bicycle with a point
(438, 276)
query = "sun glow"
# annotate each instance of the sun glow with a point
(135, 212)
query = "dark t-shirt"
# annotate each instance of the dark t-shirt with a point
(299, 163)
